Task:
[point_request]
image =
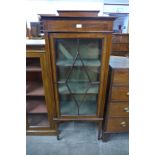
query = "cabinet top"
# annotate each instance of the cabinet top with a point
(77, 23)
(30, 42)
(121, 34)
(53, 17)
(118, 62)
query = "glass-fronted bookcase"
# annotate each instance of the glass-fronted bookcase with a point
(79, 50)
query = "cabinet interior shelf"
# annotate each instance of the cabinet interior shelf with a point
(38, 120)
(36, 106)
(33, 68)
(34, 89)
(77, 82)
(67, 63)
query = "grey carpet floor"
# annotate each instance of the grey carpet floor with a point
(77, 138)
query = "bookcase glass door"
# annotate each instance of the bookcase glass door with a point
(78, 64)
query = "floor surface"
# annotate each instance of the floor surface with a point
(77, 138)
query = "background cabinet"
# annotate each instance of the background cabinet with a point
(38, 102)
(117, 104)
(120, 44)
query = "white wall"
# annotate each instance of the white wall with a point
(35, 7)
(122, 20)
(117, 1)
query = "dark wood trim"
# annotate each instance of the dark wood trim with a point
(79, 35)
(53, 57)
(77, 13)
(121, 34)
(78, 119)
(41, 132)
(49, 17)
(34, 54)
(51, 87)
(88, 31)
(106, 68)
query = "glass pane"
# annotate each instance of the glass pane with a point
(88, 104)
(68, 106)
(78, 88)
(66, 49)
(90, 49)
(78, 68)
(78, 73)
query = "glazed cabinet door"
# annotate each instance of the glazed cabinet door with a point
(78, 73)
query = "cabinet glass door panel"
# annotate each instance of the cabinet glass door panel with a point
(67, 104)
(78, 104)
(78, 71)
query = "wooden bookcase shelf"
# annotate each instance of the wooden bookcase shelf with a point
(33, 65)
(36, 106)
(38, 120)
(33, 69)
(34, 89)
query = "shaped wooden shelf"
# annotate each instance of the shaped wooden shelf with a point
(34, 89)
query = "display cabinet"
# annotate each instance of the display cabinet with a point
(38, 101)
(79, 49)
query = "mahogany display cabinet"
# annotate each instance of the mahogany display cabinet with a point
(77, 57)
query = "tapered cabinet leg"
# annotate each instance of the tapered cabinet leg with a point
(58, 137)
(105, 137)
(58, 131)
(99, 130)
